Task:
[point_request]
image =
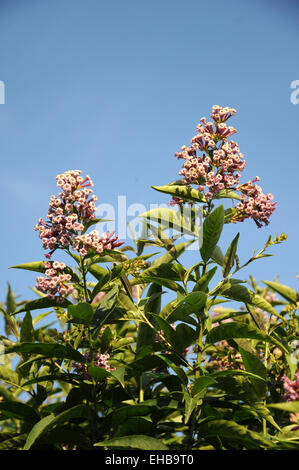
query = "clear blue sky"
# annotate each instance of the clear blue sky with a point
(115, 88)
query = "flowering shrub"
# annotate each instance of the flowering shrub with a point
(215, 367)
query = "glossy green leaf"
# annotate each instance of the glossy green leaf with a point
(201, 384)
(27, 332)
(243, 294)
(8, 375)
(44, 302)
(212, 228)
(146, 334)
(183, 222)
(254, 365)
(46, 350)
(50, 421)
(231, 430)
(104, 310)
(134, 442)
(287, 292)
(92, 222)
(81, 312)
(60, 377)
(235, 329)
(191, 303)
(218, 256)
(229, 258)
(13, 443)
(288, 406)
(14, 409)
(203, 283)
(39, 266)
(190, 404)
(227, 194)
(181, 191)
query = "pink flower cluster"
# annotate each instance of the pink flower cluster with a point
(55, 282)
(88, 241)
(67, 215)
(67, 212)
(291, 387)
(258, 206)
(99, 360)
(220, 166)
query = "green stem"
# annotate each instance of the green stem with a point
(266, 365)
(199, 350)
(141, 391)
(83, 272)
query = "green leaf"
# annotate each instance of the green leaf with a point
(226, 193)
(27, 332)
(229, 258)
(8, 375)
(50, 421)
(162, 281)
(287, 292)
(231, 430)
(68, 378)
(14, 409)
(203, 283)
(177, 370)
(91, 222)
(10, 300)
(44, 302)
(264, 412)
(189, 272)
(254, 365)
(190, 404)
(235, 329)
(38, 430)
(218, 256)
(13, 443)
(119, 374)
(46, 350)
(134, 442)
(241, 372)
(146, 334)
(99, 374)
(243, 294)
(191, 303)
(129, 311)
(81, 312)
(104, 310)
(201, 384)
(39, 267)
(181, 191)
(183, 222)
(289, 406)
(161, 266)
(101, 274)
(212, 228)
(39, 317)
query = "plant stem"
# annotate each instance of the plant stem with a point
(199, 349)
(84, 278)
(141, 391)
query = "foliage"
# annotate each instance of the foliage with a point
(124, 367)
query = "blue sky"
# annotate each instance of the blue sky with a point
(115, 88)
